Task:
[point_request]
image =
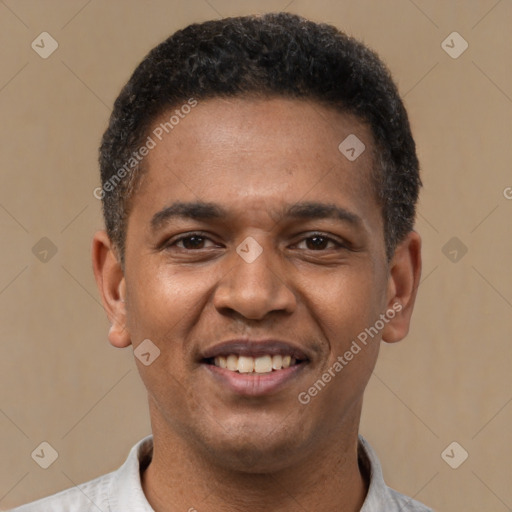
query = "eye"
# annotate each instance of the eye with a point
(320, 242)
(190, 241)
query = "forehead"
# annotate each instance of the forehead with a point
(251, 153)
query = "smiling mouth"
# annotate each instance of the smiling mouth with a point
(267, 363)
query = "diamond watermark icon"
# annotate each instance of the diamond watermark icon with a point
(45, 455)
(146, 352)
(454, 455)
(249, 249)
(44, 250)
(44, 45)
(351, 147)
(454, 249)
(454, 45)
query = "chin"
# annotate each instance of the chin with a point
(252, 448)
(255, 459)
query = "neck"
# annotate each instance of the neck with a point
(181, 478)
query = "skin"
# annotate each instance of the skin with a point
(215, 449)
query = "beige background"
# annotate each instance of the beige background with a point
(449, 381)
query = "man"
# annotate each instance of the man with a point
(259, 182)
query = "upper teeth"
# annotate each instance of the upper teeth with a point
(247, 364)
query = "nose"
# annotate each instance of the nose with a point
(256, 288)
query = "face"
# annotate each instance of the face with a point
(254, 258)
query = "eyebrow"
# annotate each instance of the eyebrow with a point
(197, 210)
(314, 210)
(204, 211)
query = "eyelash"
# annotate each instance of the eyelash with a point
(339, 245)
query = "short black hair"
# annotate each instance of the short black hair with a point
(274, 54)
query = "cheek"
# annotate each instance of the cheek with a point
(162, 303)
(346, 304)
(163, 310)
(354, 341)
(167, 309)
(351, 305)
(340, 380)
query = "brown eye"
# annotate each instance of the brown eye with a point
(317, 242)
(192, 242)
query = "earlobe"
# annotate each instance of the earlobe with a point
(112, 287)
(403, 282)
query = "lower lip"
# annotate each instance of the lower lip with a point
(255, 384)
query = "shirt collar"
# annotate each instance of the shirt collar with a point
(378, 491)
(126, 494)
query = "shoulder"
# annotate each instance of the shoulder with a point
(88, 497)
(380, 496)
(119, 490)
(405, 503)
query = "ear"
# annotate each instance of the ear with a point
(404, 279)
(111, 284)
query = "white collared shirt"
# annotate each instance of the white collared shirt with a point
(121, 490)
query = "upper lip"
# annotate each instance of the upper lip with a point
(255, 348)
